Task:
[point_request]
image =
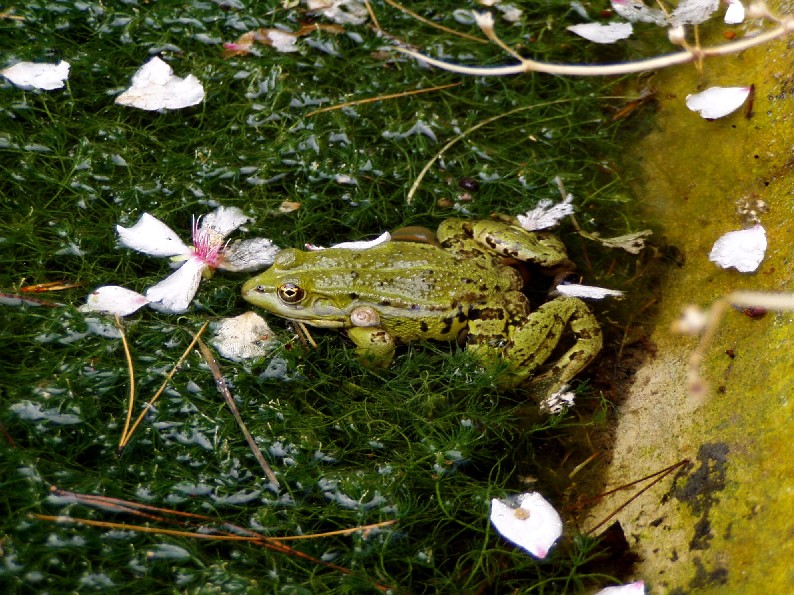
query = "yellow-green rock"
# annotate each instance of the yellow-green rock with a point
(727, 524)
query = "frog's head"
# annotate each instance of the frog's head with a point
(288, 289)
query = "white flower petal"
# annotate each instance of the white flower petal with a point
(636, 12)
(343, 12)
(155, 87)
(224, 220)
(743, 250)
(283, 41)
(717, 102)
(735, 13)
(587, 291)
(602, 33)
(635, 588)
(174, 293)
(546, 214)
(534, 525)
(32, 75)
(153, 237)
(112, 299)
(693, 12)
(364, 244)
(246, 336)
(249, 255)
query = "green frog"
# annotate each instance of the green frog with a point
(459, 288)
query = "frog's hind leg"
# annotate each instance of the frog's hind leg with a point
(532, 343)
(588, 342)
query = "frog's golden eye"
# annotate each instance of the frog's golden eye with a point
(289, 293)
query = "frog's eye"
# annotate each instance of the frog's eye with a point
(289, 293)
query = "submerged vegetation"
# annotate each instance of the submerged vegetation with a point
(427, 442)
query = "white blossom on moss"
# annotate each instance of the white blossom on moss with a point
(35, 75)
(637, 12)
(154, 87)
(546, 214)
(112, 299)
(243, 337)
(209, 251)
(598, 33)
(342, 12)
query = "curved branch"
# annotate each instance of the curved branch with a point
(785, 27)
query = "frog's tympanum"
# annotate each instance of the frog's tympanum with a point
(400, 291)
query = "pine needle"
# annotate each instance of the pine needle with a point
(380, 98)
(220, 383)
(126, 437)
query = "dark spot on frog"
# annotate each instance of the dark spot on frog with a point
(353, 295)
(387, 303)
(486, 314)
(423, 326)
(447, 326)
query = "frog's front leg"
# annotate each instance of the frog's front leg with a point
(527, 346)
(374, 345)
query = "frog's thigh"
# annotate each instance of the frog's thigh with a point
(528, 346)
(553, 317)
(374, 345)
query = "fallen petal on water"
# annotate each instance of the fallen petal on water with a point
(533, 525)
(33, 75)
(742, 250)
(717, 102)
(154, 87)
(112, 299)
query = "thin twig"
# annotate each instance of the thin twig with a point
(220, 383)
(379, 98)
(372, 15)
(781, 302)
(137, 508)
(262, 541)
(126, 438)
(415, 186)
(430, 23)
(659, 476)
(131, 372)
(785, 27)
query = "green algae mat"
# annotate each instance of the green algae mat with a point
(302, 117)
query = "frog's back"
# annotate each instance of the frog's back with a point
(407, 276)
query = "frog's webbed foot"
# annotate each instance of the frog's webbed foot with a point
(374, 346)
